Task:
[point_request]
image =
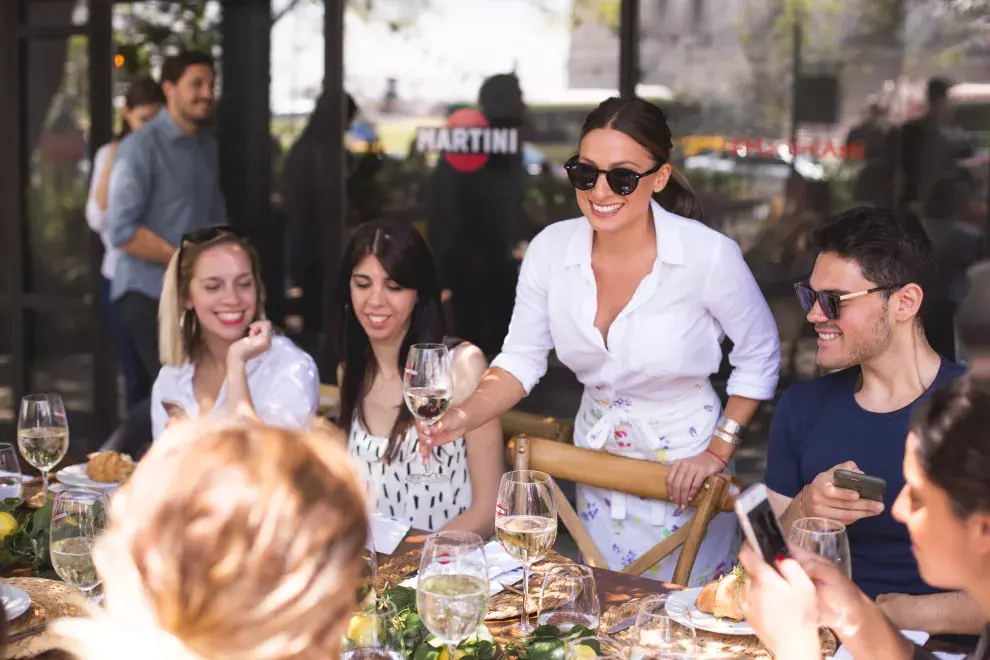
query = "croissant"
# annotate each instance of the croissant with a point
(723, 597)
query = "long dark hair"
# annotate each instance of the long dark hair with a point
(406, 258)
(143, 91)
(647, 124)
(953, 446)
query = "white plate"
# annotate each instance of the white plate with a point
(75, 475)
(686, 613)
(15, 601)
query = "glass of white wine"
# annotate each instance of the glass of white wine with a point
(526, 526)
(79, 516)
(43, 433)
(452, 588)
(11, 483)
(427, 387)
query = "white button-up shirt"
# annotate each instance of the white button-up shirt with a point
(666, 341)
(284, 384)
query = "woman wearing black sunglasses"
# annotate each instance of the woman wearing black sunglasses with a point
(635, 298)
(219, 354)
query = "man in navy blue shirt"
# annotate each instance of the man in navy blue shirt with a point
(864, 298)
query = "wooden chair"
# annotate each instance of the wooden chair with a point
(627, 475)
(329, 404)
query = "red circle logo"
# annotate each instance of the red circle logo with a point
(466, 118)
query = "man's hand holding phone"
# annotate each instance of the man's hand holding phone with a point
(823, 499)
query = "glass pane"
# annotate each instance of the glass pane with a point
(61, 360)
(146, 32)
(58, 174)
(57, 13)
(6, 391)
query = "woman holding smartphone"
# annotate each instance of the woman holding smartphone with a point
(636, 298)
(218, 352)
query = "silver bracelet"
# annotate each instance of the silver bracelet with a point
(732, 427)
(722, 435)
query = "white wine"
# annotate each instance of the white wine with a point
(526, 538)
(452, 606)
(72, 559)
(43, 446)
(428, 404)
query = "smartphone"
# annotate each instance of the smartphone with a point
(173, 408)
(869, 488)
(760, 524)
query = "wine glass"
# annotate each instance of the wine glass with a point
(43, 433)
(370, 637)
(10, 473)
(427, 387)
(569, 598)
(452, 588)
(366, 593)
(79, 516)
(526, 526)
(657, 634)
(824, 537)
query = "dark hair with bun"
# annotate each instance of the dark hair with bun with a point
(953, 446)
(647, 124)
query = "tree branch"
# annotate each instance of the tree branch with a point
(285, 10)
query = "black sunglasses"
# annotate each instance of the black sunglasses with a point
(829, 302)
(205, 235)
(622, 181)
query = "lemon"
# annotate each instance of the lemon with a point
(363, 630)
(458, 654)
(582, 652)
(8, 524)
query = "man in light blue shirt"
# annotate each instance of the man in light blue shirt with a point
(164, 183)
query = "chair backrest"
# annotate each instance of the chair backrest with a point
(627, 475)
(514, 422)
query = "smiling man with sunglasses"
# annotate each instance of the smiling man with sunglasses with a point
(864, 298)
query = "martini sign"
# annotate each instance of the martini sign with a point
(467, 140)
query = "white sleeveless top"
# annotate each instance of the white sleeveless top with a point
(426, 506)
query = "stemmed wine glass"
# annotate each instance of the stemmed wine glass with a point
(452, 588)
(526, 527)
(427, 386)
(43, 433)
(79, 516)
(10, 473)
(823, 537)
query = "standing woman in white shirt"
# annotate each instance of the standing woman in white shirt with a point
(218, 352)
(142, 102)
(636, 301)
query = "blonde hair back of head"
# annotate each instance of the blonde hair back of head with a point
(229, 542)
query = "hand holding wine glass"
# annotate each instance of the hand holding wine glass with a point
(79, 516)
(427, 387)
(43, 433)
(526, 527)
(452, 589)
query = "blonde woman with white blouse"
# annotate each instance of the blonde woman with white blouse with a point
(636, 298)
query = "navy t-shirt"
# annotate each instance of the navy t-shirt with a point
(818, 425)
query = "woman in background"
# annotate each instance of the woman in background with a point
(218, 352)
(388, 299)
(228, 541)
(142, 102)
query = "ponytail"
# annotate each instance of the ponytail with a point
(679, 198)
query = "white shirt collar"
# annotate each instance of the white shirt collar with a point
(670, 245)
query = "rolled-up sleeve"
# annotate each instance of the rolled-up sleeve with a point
(524, 353)
(292, 396)
(130, 184)
(734, 298)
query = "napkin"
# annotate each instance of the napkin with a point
(915, 636)
(387, 533)
(502, 569)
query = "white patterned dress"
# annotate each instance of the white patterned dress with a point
(426, 506)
